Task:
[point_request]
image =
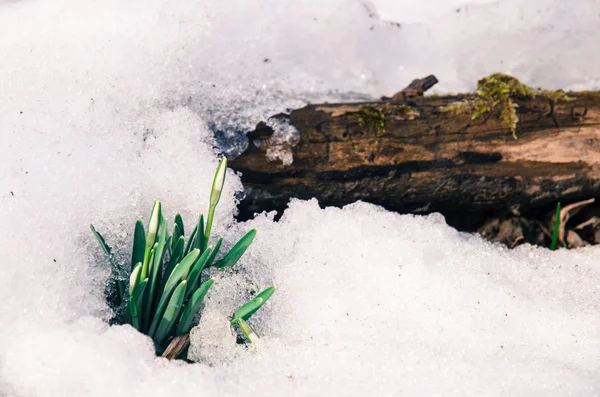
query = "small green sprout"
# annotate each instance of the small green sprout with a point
(245, 329)
(556, 228)
(241, 315)
(164, 291)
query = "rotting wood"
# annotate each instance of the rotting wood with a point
(423, 159)
(410, 156)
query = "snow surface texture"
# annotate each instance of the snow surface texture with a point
(105, 106)
(279, 145)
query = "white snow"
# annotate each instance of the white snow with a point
(106, 106)
(279, 146)
(416, 12)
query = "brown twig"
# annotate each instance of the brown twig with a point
(415, 89)
(177, 346)
(565, 215)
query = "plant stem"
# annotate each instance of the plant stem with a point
(556, 227)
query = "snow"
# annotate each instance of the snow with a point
(279, 146)
(106, 106)
(414, 12)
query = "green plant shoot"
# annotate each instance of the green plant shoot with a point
(241, 315)
(556, 228)
(164, 291)
(215, 196)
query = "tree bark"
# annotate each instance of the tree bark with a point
(411, 156)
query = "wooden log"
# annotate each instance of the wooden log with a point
(413, 155)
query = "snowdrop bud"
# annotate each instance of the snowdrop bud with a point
(133, 278)
(218, 182)
(153, 227)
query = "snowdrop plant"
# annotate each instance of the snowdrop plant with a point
(163, 292)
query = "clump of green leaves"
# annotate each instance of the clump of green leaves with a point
(499, 90)
(163, 291)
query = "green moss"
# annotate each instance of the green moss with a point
(439, 96)
(475, 107)
(500, 89)
(591, 95)
(498, 85)
(403, 112)
(372, 117)
(555, 96)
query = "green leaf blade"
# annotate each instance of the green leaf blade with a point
(179, 223)
(135, 304)
(247, 310)
(180, 272)
(105, 247)
(120, 283)
(139, 244)
(176, 256)
(556, 228)
(170, 315)
(146, 266)
(213, 254)
(248, 332)
(198, 242)
(155, 272)
(176, 235)
(191, 308)
(188, 246)
(194, 276)
(236, 252)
